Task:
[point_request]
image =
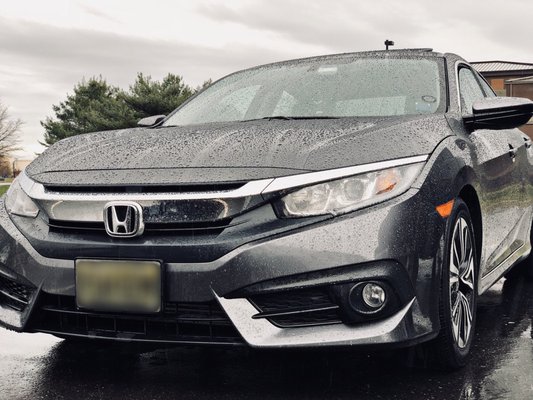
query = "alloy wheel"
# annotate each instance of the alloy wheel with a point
(462, 282)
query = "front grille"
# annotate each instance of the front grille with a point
(297, 308)
(13, 294)
(179, 322)
(155, 228)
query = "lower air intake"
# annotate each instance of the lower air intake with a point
(195, 323)
(297, 308)
(14, 295)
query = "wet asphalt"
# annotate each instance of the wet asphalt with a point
(37, 366)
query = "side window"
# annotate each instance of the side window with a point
(469, 90)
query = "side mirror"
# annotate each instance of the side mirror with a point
(500, 113)
(151, 121)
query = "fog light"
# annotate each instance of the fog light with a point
(373, 295)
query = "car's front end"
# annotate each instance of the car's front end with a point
(250, 272)
(271, 233)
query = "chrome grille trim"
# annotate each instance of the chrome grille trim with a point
(37, 191)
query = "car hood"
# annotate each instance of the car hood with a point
(230, 152)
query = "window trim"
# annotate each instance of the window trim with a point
(481, 78)
(458, 66)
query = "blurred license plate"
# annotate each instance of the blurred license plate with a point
(130, 286)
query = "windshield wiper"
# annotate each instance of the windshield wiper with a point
(279, 117)
(286, 118)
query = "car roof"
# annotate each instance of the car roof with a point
(414, 53)
(421, 52)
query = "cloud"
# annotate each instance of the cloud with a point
(96, 13)
(473, 29)
(64, 54)
(309, 24)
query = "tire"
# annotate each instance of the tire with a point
(458, 292)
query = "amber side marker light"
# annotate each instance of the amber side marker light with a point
(445, 209)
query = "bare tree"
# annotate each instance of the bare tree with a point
(9, 129)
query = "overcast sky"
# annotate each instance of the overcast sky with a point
(48, 46)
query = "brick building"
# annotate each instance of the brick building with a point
(497, 72)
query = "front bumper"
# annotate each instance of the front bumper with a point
(406, 230)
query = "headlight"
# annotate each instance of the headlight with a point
(19, 203)
(350, 193)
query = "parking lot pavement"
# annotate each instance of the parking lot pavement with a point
(36, 366)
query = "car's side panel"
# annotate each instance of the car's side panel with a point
(502, 195)
(505, 206)
(499, 158)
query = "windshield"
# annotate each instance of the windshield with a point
(321, 88)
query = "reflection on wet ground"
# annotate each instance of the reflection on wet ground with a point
(39, 366)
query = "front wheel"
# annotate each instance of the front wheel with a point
(458, 292)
